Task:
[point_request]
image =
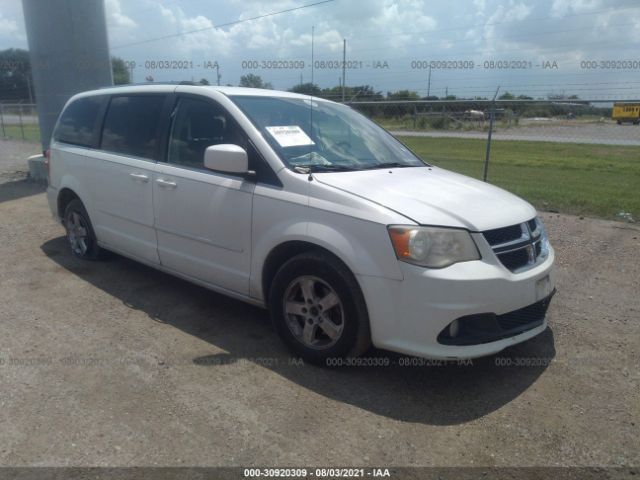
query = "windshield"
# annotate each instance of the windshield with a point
(324, 136)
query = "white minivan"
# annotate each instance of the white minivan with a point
(307, 208)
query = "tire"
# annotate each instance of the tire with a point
(318, 309)
(80, 235)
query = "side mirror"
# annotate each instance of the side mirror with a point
(226, 158)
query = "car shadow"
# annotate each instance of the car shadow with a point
(406, 390)
(16, 189)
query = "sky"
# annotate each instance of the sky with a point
(589, 48)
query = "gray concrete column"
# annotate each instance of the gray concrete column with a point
(69, 53)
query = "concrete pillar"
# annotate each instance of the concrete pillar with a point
(69, 53)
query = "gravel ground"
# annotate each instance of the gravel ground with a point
(13, 158)
(114, 364)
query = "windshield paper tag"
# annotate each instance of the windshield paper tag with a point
(290, 136)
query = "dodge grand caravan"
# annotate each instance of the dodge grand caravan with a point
(307, 208)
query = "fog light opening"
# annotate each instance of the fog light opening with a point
(454, 328)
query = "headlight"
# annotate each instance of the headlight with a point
(544, 239)
(432, 247)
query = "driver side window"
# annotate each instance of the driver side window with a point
(197, 125)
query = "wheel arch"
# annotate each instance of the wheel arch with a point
(283, 252)
(65, 196)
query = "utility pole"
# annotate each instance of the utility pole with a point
(446, 92)
(344, 64)
(218, 76)
(429, 84)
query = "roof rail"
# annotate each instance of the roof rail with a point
(139, 84)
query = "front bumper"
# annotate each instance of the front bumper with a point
(408, 316)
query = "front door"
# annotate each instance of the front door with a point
(202, 218)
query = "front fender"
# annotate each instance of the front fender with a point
(364, 247)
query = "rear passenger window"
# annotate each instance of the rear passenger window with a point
(131, 125)
(78, 123)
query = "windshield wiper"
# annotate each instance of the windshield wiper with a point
(387, 165)
(325, 168)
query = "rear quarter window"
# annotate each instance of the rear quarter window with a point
(79, 122)
(131, 125)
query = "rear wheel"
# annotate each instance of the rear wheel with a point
(317, 308)
(80, 235)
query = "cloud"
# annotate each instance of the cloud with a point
(115, 17)
(397, 31)
(561, 8)
(8, 26)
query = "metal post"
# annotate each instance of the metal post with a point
(488, 154)
(20, 116)
(4, 134)
(28, 77)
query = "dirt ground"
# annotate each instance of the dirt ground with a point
(115, 364)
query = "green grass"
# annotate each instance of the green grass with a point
(31, 132)
(593, 180)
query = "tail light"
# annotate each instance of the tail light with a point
(47, 163)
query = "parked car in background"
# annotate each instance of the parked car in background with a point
(305, 207)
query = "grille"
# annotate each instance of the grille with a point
(518, 247)
(503, 235)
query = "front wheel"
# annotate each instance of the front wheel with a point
(318, 310)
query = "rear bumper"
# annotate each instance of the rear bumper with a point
(409, 316)
(52, 198)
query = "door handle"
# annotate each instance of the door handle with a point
(139, 177)
(166, 183)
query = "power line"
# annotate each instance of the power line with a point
(228, 24)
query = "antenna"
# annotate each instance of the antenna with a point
(311, 98)
(344, 65)
(312, 37)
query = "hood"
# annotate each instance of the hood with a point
(433, 196)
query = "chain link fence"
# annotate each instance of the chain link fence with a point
(527, 120)
(19, 121)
